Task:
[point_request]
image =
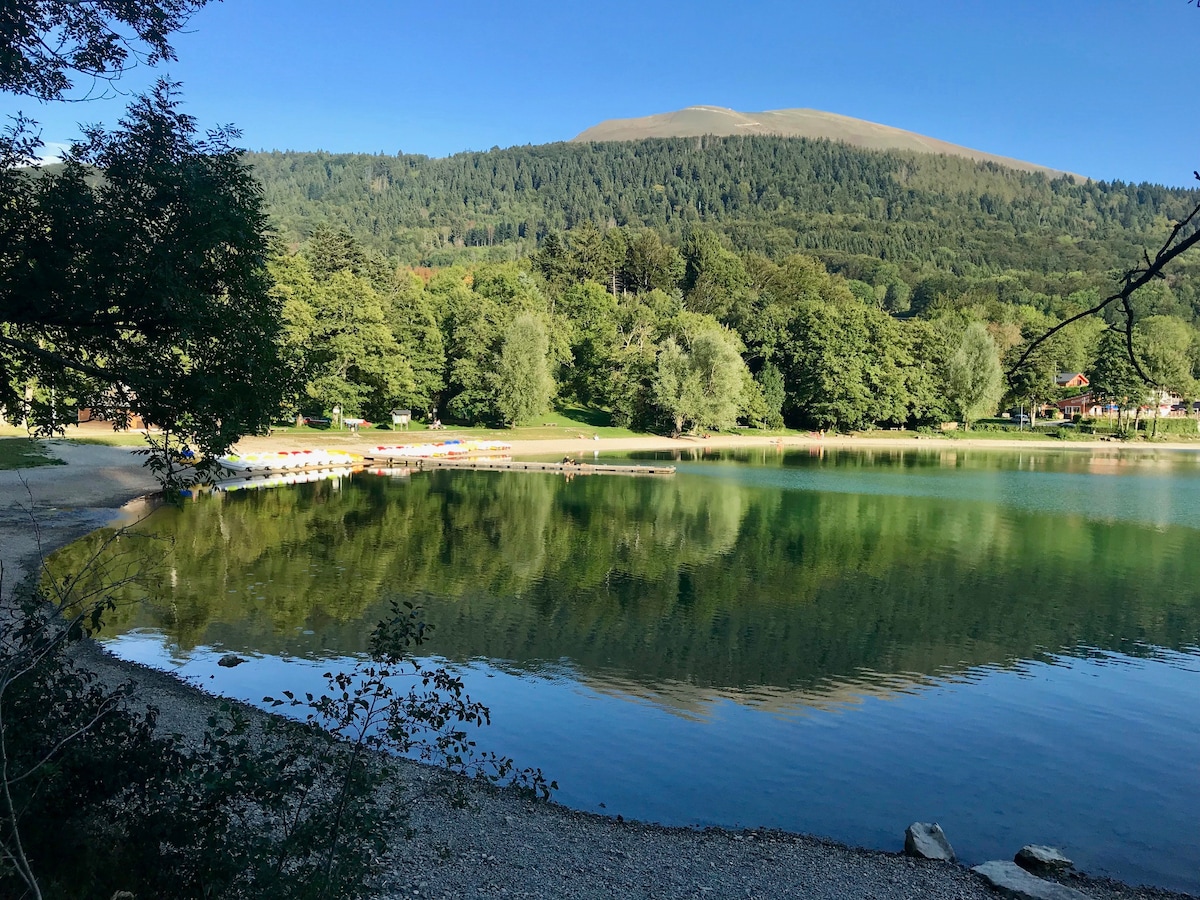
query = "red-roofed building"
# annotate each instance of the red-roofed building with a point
(1071, 380)
(1083, 405)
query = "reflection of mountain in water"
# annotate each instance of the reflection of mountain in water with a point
(691, 584)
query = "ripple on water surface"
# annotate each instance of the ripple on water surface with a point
(837, 644)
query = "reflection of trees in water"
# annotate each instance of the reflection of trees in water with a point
(697, 580)
(327, 553)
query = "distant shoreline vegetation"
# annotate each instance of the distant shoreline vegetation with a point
(667, 336)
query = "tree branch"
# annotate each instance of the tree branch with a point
(109, 704)
(1131, 281)
(55, 359)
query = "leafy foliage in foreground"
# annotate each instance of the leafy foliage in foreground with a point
(45, 46)
(144, 292)
(95, 799)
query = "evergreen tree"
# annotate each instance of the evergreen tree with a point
(1114, 379)
(714, 279)
(332, 250)
(652, 264)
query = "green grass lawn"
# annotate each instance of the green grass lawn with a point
(564, 421)
(102, 436)
(23, 453)
(109, 439)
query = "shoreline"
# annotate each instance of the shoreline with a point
(584, 446)
(501, 844)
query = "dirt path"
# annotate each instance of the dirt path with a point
(48, 506)
(583, 445)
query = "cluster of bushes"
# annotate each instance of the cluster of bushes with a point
(97, 800)
(1169, 426)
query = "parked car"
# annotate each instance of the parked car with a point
(1021, 419)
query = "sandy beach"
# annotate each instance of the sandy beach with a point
(500, 844)
(583, 445)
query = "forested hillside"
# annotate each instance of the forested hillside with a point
(687, 284)
(689, 337)
(768, 195)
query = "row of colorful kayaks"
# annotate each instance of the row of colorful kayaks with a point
(440, 450)
(286, 464)
(289, 460)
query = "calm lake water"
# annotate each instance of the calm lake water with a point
(837, 643)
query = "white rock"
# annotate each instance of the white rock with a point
(1040, 858)
(927, 840)
(1014, 881)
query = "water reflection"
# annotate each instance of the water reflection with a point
(1020, 632)
(714, 580)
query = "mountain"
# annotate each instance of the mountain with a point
(695, 121)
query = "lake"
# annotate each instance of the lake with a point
(835, 642)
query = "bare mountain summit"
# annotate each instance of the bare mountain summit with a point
(808, 123)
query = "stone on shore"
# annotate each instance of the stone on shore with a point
(1037, 858)
(229, 660)
(928, 841)
(1013, 881)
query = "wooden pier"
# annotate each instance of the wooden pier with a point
(508, 465)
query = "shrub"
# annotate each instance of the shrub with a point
(277, 810)
(1178, 426)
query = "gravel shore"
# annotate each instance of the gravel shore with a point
(499, 844)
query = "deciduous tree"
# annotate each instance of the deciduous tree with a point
(523, 385)
(975, 380)
(143, 292)
(1114, 379)
(46, 44)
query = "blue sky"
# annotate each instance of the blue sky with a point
(1101, 87)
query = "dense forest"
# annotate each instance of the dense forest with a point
(695, 283)
(692, 337)
(771, 196)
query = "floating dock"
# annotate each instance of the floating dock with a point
(508, 465)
